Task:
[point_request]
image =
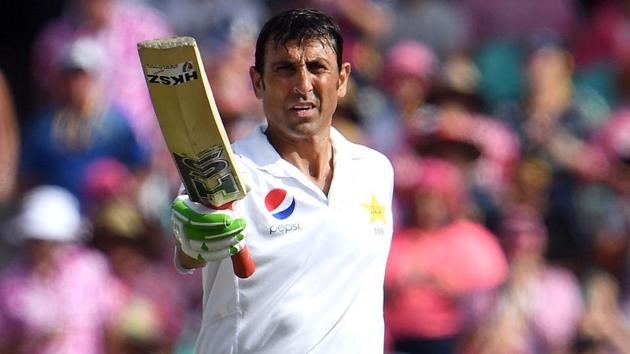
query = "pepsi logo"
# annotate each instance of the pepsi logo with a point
(280, 203)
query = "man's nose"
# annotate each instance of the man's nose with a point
(303, 81)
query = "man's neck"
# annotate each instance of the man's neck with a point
(313, 156)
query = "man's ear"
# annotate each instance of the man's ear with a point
(257, 81)
(344, 75)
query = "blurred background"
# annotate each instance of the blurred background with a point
(507, 122)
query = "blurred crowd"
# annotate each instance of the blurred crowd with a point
(507, 122)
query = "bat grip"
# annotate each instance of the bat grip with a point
(242, 263)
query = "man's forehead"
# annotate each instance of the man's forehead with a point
(297, 49)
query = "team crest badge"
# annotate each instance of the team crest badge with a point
(376, 210)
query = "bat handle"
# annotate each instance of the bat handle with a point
(243, 264)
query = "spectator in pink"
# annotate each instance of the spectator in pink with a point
(451, 125)
(407, 77)
(539, 307)
(605, 206)
(117, 26)
(436, 263)
(60, 297)
(454, 128)
(152, 315)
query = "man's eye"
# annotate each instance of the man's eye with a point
(284, 69)
(317, 68)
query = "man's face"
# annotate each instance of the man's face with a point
(300, 88)
(549, 67)
(78, 88)
(407, 89)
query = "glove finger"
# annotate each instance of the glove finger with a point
(190, 251)
(215, 245)
(204, 234)
(223, 253)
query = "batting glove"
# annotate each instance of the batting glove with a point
(206, 234)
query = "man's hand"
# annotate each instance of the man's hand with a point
(206, 234)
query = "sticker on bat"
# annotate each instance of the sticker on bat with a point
(171, 74)
(207, 177)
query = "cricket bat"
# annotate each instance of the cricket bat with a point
(192, 128)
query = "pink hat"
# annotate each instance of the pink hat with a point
(444, 178)
(430, 174)
(410, 57)
(107, 178)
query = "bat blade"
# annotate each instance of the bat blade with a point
(192, 127)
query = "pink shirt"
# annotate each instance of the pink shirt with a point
(428, 271)
(556, 308)
(64, 313)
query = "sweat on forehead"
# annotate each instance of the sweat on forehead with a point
(302, 45)
(282, 39)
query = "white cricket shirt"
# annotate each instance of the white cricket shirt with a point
(318, 285)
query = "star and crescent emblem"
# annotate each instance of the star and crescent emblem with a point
(377, 210)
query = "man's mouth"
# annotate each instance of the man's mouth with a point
(302, 108)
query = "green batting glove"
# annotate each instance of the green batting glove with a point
(206, 234)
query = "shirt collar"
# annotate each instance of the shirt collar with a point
(258, 149)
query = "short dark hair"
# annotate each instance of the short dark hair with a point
(300, 25)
